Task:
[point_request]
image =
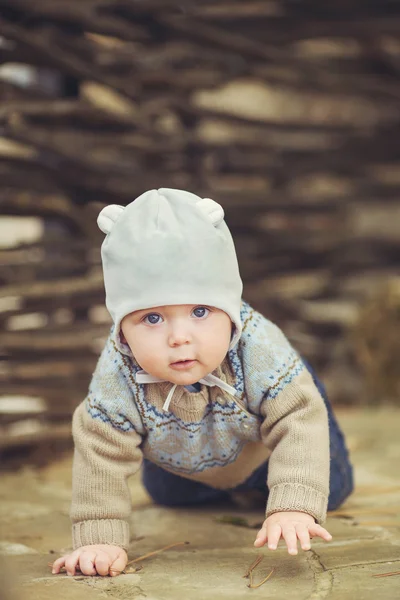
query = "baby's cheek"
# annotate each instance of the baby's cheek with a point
(147, 357)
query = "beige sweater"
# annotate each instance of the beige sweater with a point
(208, 436)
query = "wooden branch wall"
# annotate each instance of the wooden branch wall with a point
(286, 112)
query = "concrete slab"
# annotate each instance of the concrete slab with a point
(366, 537)
(358, 583)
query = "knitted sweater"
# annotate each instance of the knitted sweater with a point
(209, 435)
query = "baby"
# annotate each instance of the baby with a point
(197, 389)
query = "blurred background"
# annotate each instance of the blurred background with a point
(287, 112)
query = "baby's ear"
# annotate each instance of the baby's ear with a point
(108, 217)
(212, 209)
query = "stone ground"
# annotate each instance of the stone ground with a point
(366, 537)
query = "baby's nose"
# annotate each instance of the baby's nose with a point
(179, 336)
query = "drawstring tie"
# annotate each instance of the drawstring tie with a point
(210, 380)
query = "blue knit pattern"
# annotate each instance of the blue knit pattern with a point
(263, 363)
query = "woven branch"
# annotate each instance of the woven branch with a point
(285, 112)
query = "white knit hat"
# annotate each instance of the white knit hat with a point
(168, 247)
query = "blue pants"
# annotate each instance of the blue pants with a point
(169, 489)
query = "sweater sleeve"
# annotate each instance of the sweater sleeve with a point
(107, 437)
(295, 428)
(294, 422)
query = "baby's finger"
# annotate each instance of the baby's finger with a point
(318, 531)
(86, 563)
(261, 536)
(58, 565)
(118, 565)
(274, 534)
(102, 563)
(71, 562)
(290, 537)
(304, 537)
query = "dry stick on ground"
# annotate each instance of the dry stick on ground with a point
(249, 573)
(135, 560)
(253, 566)
(387, 574)
(261, 582)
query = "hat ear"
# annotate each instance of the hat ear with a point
(108, 216)
(212, 209)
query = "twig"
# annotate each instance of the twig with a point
(156, 552)
(140, 558)
(250, 585)
(253, 565)
(387, 574)
(249, 573)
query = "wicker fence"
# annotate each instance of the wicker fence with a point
(287, 113)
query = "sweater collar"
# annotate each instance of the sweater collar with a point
(210, 380)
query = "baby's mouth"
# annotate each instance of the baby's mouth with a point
(183, 364)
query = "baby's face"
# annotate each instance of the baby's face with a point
(160, 338)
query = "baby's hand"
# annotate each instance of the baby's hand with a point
(102, 559)
(290, 525)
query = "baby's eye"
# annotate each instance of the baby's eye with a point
(152, 318)
(201, 311)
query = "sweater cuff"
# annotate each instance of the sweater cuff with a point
(287, 496)
(102, 531)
